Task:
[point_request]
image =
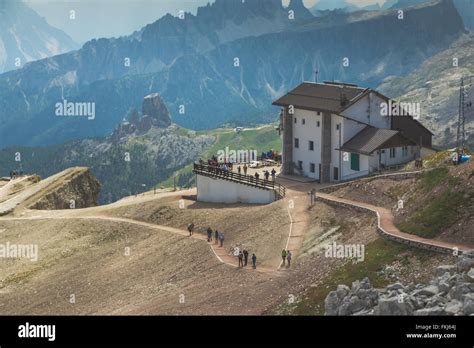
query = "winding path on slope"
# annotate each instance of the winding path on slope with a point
(15, 209)
(220, 252)
(387, 228)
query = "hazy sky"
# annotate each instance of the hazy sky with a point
(112, 18)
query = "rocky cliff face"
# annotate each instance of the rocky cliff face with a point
(451, 292)
(154, 114)
(81, 191)
(155, 108)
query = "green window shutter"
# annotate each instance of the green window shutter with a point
(355, 165)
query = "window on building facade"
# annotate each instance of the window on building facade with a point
(405, 151)
(297, 143)
(355, 161)
(318, 124)
(300, 165)
(337, 127)
(393, 152)
(303, 121)
(312, 167)
(311, 145)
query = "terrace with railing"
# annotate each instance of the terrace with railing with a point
(215, 172)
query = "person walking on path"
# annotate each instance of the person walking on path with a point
(254, 261)
(245, 169)
(239, 169)
(283, 256)
(209, 234)
(216, 237)
(273, 174)
(241, 259)
(288, 258)
(221, 238)
(246, 257)
(191, 229)
(267, 175)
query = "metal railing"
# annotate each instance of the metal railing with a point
(251, 180)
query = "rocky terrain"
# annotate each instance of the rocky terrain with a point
(79, 191)
(435, 85)
(451, 292)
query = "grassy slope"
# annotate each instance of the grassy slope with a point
(440, 198)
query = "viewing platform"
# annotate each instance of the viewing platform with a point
(220, 186)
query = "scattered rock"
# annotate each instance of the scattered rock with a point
(465, 263)
(453, 307)
(393, 306)
(430, 311)
(470, 275)
(429, 290)
(450, 293)
(342, 291)
(440, 270)
(395, 286)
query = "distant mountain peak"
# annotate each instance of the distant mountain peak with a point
(25, 36)
(300, 9)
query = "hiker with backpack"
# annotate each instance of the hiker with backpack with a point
(288, 258)
(216, 237)
(254, 261)
(283, 256)
(191, 229)
(209, 234)
(221, 238)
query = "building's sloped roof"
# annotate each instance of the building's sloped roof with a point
(371, 139)
(320, 96)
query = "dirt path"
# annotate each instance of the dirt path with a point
(297, 207)
(386, 224)
(220, 252)
(19, 212)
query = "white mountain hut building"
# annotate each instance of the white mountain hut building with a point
(337, 131)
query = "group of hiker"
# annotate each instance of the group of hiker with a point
(286, 256)
(224, 169)
(218, 236)
(14, 174)
(419, 163)
(243, 257)
(219, 239)
(266, 175)
(218, 168)
(242, 169)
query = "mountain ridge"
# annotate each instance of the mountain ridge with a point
(25, 36)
